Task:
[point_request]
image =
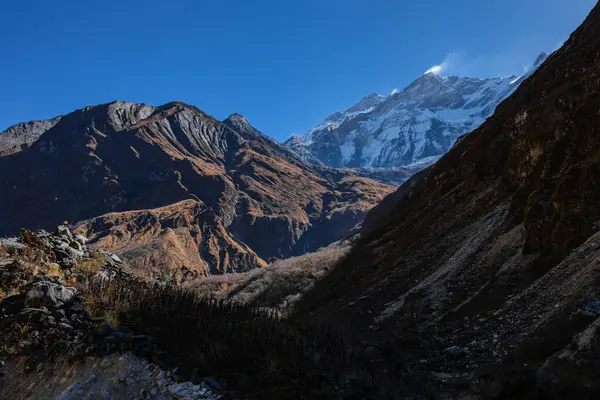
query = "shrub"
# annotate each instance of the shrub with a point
(254, 351)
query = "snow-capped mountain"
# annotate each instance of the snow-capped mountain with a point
(421, 122)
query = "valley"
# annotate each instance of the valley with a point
(441, 242)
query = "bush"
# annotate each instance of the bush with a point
(255, 352)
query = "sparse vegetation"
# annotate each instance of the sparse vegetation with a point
(53, 269)
(94, 263)
(255, 352)
(276, 287)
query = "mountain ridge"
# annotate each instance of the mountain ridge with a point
(99, 164)
(423, 120)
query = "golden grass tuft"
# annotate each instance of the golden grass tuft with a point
(92, 264)
(54, 270)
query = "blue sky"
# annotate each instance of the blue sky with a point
(284, 64)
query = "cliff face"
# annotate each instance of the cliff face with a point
(489, 256)
(246, 199)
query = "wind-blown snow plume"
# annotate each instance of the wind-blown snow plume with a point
(436, 69)
(449, 61)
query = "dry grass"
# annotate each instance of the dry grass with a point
(54, 270)
(278, 286)
(98, 305)
(92, 264)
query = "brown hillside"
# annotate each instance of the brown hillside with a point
(247, 199)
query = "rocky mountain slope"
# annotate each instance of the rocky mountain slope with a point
(76, 324)
(479, 277)
(22, 135)
(422, 121)
(149, 181)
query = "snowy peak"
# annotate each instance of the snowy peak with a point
(425, 82)
(420, 122)
(337, 116)
(297, 146)
(334, 120)
(367, 103)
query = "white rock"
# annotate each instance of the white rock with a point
(81, 239)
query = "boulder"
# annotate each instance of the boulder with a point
(48, 294)
(66, 255)
(181, 390)
(81, 239)
(64, 231)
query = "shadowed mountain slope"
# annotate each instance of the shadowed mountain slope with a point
(490, 256)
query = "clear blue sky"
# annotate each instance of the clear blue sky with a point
(285, 64)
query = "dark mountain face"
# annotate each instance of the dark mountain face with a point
(251, 200)
(489, 258)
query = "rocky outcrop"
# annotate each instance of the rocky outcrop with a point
(172, 243)
(63, 342)
(485, 266)
(227, 198)
(23, 135)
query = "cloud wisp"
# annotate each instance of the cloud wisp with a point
(451, 60)
(516, 60)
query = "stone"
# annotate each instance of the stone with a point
(49, 321)
(33, 335)
(66, 253)
(49, 294)
(64, 231)
(181, 390)
(64, 327)
(33, 314)
(81, 239)
(12, 243)
(105, 363)
(76, 245)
